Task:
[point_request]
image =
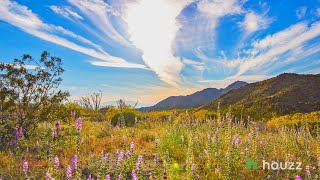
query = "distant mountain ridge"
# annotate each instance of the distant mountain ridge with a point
(193, 100)
(285, 94)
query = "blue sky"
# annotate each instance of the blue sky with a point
(145, 51)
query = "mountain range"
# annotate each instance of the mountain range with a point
(193, 100)
(285, 94)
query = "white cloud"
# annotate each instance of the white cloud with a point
(200, 66)
(279, 43)
(280, 38)
(23, 18)
(65, 12)
(154, 32)
(27, 66)
(301, 12)
(198, 31)
(100, 14)
(229, 80)
(254, 22)
(119, 65)
(219, 8)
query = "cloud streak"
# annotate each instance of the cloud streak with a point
(100, 14)
(65, 12)
(279, 43)
(23, 18)
(301, 12)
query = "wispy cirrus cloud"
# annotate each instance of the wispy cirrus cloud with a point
(198, 31)
(274, 47)
(301, 12)
(200, 66)
(100, 14)
(253, 22)
(65, 12)
(23, 18)
(279, 43)
(227, 81)
(271, 53)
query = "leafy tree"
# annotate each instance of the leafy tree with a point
(29, 93)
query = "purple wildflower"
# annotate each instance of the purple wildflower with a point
(75, 162)
(20, 131)
(155, 160)
(105, 157)
(193, 167)
(120, 177)
(37, 143)
(132, 146)
(134, 175)
(16, 134)
(73, 114)
(107, 177)
(48, 176)
(53, 133)
(261, 143)
(139, 162)
(308, 172)
(58, 125)
(56, 163)
(69, 172)
(25, 167)
(82, 139)
(127, 153)
(79, 124)
(89, 178)
(120, 157)
(319, 161)
(235, 140)
(298, 177)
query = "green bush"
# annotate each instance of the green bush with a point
(127, 118)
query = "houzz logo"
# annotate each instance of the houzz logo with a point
(251, 164)
(274, 165)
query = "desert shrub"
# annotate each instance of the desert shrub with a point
(203, 115)
(80, 111)
(126, 118)
(296, 120)
(160, 115)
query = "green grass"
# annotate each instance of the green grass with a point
(217, 148)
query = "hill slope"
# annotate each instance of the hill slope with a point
(284, 94)
(193, 100)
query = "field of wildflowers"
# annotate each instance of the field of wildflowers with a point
(163, 148)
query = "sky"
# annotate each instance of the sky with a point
(146, 50)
